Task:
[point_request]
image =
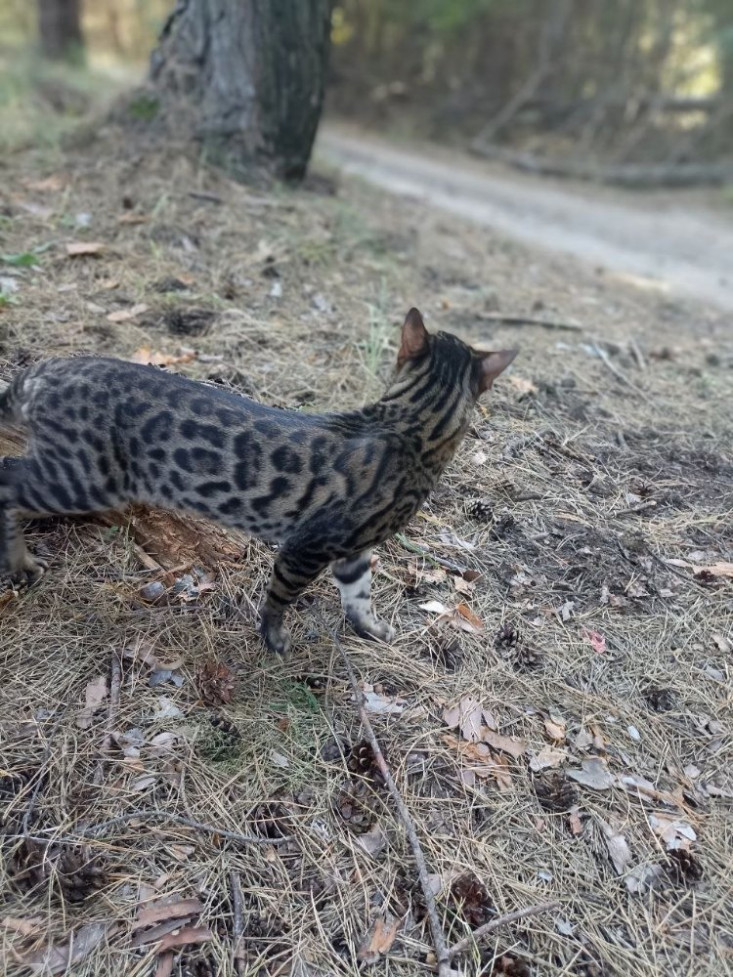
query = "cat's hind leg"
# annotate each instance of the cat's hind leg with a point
(353, 578)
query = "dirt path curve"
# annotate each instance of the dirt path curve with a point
(653, 237)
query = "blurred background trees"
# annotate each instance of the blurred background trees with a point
(631, 82)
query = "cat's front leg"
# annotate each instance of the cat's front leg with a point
(353, 578)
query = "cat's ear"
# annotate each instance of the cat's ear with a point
(414, 337)
(492, 364)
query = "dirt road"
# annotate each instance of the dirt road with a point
(649, 237)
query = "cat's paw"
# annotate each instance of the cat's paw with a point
(23, 577)
(373, 629)
(275, 635)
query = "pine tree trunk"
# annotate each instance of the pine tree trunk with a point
(248, 76)
(59, 29)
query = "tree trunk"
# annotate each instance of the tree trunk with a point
(59, 29)
(247, 76)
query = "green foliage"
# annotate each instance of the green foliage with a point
(25, 259)
(144, 107)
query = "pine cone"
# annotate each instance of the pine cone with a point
(363, 763)
(555, 792)
(450, 654)
(471, 900)
(502, 527)
(271, 820)
(353, 807)
(527, 658)
(215, 683)
(73, 872)
(511, 966)
(660, 700)
(480, 509)
(507, 637)
(683, 866)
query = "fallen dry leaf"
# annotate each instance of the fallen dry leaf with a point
(716, 570)
(525, 387)
(51, 184)
(596, 639)
(164, 967)
(555, 729)
(465, 715)
(379, 704)
(674, 832)
(95, 694)
(466, 619)
(379, 939)
(185, 936)
(132, 219)
(548, 757)
(26, 927)
(149, 357)
(593, 773)
(124, 315)
(618, 848)
(513, 745)
(166, 908)
(574, 822)
(60, 957)
(77, 249)
(463, 586)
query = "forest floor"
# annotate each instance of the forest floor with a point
(556, 706)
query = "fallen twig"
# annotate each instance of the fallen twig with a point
(237, 923)
(436, 560)
(436, 930)
(115, 681)
(96, 830)
(495, 924)
(528, 320)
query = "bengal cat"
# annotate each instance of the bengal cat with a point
(325, 487)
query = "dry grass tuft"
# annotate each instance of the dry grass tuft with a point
(593, 645)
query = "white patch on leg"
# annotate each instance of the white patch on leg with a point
(357, 605)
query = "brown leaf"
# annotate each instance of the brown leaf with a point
(716, 570)
(26, 927)
(189, 934)
(77, 249)
(150, 357)
(124, 315)
(593, 773)
(379, 939)
(95, 694)
(525, 387)
(512, 745)
(618, 848)
(463, 586)
(51, 184)
(59, 958)
(465, 715)
(548, 757)
(132, 219)
(555, 729)
(141, 652)
(574, 822)
(465, 619)
(164, 967)
(163, 909)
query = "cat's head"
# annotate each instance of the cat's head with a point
(446, 359)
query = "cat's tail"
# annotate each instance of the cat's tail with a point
(9, 407)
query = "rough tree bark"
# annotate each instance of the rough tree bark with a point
(59, 28)
(248, 77)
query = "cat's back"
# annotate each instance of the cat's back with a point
(91, 386)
